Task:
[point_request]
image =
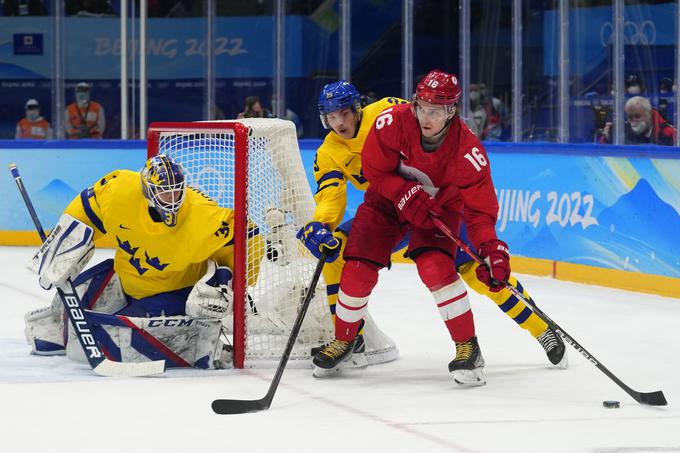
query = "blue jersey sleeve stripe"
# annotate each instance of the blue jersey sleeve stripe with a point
(85, 196)
(331, 175)
(508, 304)
(332, 289)
(333, 184)
(523, 315)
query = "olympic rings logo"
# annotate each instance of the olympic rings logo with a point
(643, 33)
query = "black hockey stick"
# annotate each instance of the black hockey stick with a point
(78, 317)
(227, 406)
(652, 398)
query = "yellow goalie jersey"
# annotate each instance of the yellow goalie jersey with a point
(151, 257)
(339, 160)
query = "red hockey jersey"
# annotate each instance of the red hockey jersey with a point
(456, 174)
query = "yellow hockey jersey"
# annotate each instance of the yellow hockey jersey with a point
(151, 257)
(338, 160)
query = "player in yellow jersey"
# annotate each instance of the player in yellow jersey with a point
(169, 282)
(338, 160)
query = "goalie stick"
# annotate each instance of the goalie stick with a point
(652, 398)
(229, 406)
(78, 317)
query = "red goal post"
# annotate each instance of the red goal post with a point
(253, 166)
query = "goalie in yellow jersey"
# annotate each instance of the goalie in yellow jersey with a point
(338, 160)
(169, 283)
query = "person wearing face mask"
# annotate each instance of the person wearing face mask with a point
(643, 125)
(33, 125)
(85, 118)
(633, 85)
(478, 117)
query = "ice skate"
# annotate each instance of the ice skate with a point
(467, 366)
(358, 358)
(333, 357)
(554, 348)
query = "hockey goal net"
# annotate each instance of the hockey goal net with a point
(253, 166)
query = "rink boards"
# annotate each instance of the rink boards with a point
(605, 215)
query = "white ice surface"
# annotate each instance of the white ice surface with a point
(410, 405)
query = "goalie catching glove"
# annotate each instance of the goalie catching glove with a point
(496, 270)
(64, 253)
(212, 296)
(317, 237)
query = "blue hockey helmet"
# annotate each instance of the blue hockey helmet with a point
(335, 96)
(164, 187)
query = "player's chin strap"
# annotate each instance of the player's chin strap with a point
(652, 398)
(79, 319)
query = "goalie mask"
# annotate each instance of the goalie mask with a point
(164, 187)
(336, 96)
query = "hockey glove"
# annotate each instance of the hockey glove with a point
(317, 238)
(496, 269)
(416, 206)
(212, 296)
(64, 253)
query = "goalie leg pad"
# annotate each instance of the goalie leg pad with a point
(179, 340)
(64, 253)
(44, 330)
(98, 287)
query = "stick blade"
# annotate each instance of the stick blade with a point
(123, 369)
(229, 407)
(653, 398)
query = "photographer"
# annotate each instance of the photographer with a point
(254, 109)
(643, 125)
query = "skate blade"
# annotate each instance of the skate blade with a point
(321, 373)
(356, 361)
(469, 378)
(564, 363)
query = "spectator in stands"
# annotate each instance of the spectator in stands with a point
(33, 125)
(24, 8)
(634, 85)
(254, 109)
(368, 98)
(666, 86)
(89, 8)
(478, 117)
(84, 117)
(643, 125)
(496, 114)
(290, 116)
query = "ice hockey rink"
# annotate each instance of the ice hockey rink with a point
(50, 404)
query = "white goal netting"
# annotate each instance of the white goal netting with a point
(279, 202)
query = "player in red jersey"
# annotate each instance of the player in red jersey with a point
(421, 160)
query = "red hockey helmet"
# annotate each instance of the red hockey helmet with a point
(438, 87)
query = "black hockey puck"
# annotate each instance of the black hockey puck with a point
(611, 404)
